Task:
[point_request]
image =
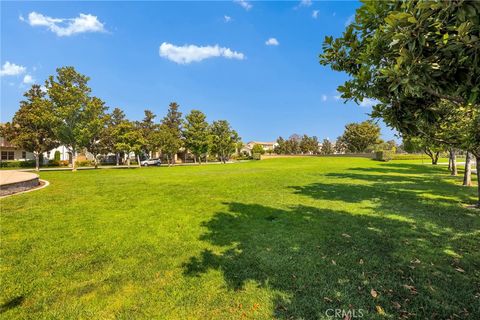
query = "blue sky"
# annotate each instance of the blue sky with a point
(263, 77)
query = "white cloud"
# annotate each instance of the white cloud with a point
(337, 97)
(272, 42)
(315, 14)
(12, 69)
(350, 20)
(44, 89)
(227, 18)
(324, 97)
(65, 27)
(28, 79)
(305, 3)
(367, 102)
(191, 53)
(245, 4)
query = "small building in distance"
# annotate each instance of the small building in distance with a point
(267, 146)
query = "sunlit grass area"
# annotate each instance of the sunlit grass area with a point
(280, 238)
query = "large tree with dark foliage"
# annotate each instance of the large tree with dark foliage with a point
(411, 57)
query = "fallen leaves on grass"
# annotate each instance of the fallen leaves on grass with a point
(380, 310)
(412, 289)
(374, 293)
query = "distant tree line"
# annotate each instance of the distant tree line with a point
(65, 113)
(357, 138)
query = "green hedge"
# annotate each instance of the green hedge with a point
(257, 156)
(384, 155)
(17, 164)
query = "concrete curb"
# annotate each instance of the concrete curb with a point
(45, 184)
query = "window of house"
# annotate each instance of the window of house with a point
(24, 155)
(8, 155)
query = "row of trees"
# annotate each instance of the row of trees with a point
(65, 113)
(420, 61)
(357, 138)
(297, 144)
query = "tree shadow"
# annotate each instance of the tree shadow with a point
(12, 303)
(321, 259)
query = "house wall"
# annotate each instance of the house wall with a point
(18, 154)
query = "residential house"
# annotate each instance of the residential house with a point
(267, 146)
(11, 153)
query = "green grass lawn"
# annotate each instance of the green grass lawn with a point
(281, 238)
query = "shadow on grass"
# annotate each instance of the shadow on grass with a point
(421, 264)
(13, 303)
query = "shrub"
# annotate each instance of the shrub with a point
(54, 163)
(256, 156)
(86, 163)
(384, 155)
(409, 156)
(17, 164)
(258, 149)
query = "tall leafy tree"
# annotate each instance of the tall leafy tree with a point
(327, 147)
(130, 140)
(69, 94)
(149, 130)
(196, 134)
(340, 146)
(358, 137)
(411, 57)
(95, 119)
(32, 126)
(170, 135)
(292, 145)
(309, 145)
(421, 144)
(280, 148)
(112, 132)
(224, 139)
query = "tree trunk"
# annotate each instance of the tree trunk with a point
(467, 176)
(453, 158)
(138, 161)
(478, 180)
(117, 156)
(128, 161)
(95, 161)
(450, 161)
(74, 160)
(431, 154)
(37, 161)
(435, 158)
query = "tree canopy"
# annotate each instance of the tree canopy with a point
(32, 126)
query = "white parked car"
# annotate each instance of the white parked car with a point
(151, 162)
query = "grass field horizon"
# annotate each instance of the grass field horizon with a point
(279, 238)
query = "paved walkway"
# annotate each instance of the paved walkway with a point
(14, 176)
